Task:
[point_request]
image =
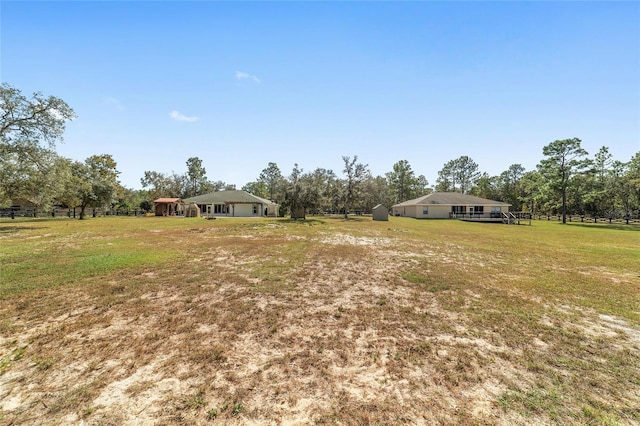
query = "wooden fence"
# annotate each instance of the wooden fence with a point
(590, 219)
(64, 212)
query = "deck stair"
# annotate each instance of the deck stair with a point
(511, 218)
(508, 218)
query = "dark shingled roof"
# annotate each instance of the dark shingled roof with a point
(451, 199)
(229, 197)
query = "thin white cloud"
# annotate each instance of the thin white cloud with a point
(176, 115)
(241, 75)
(114, 102)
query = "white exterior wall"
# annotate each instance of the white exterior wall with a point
(272, 210)
(381, 213)
(408, 211)
(435, 212)
(245, 210)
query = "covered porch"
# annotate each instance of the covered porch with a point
(169, 207)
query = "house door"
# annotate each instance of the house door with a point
(208, 209)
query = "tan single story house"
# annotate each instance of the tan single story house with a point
(445, 205)
(234, 204)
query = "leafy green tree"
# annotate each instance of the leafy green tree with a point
(196, 177)
(146, 206)
(178, 185)
(293, 196)
(508, 186)
(459, 175)
(466, 173)
(564, 158)
(317, 190)
(532, 192)
(158, 184)
(29, 130)
(96, 183)
(333, 192)
(446, 181)
(376, 191)
(402, 181)
(628, 185)
(272, 178)
(37, 175)
(26, 122)
(591, 188)
(486, 187)
(422, 187)
(131, 199)
(219, 185)
(256, 188)
(77, 186)
(355, 174)
(311, 191)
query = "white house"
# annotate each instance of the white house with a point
(444, 205)
(234, 204)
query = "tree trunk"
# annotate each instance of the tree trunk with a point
(564, 196)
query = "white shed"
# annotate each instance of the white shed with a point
(380, 212)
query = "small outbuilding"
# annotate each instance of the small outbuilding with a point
(192, 210)
(380, 212)
(298, 213)
(168, 206)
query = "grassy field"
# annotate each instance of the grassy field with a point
(267, 321)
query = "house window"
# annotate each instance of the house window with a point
(219, 209)
(425, 211)
(255, 209)
(478, 209)
(458, 209)
(496, 209)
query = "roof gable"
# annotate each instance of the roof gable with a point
(168, 200)
(450, 199)
(227, 197)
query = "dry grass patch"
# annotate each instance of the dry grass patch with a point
(327, 321)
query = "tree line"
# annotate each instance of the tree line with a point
(566, 181)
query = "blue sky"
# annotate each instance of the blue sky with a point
(242, 84)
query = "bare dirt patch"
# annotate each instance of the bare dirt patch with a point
(309, 327)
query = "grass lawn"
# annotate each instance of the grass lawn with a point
(130, 320)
